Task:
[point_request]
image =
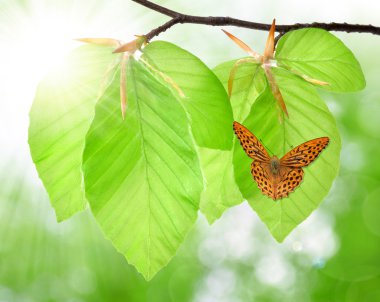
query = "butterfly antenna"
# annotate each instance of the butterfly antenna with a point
(266, 147)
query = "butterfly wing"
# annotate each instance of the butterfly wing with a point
(251, 144)
(304, 154)
(289, 182)
(263, 178)
(276, 186)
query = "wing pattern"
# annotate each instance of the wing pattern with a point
(289, 183)
(277, 178)
(251, 144)
(263, 179)
(304, 154)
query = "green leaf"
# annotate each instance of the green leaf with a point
(309, 118)
(221, 191)
(59, 119)
(248, 83)
(142, 175)
(320, 55)
(206, 102)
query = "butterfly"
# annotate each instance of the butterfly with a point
(275, 177)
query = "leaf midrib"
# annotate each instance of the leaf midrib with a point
(146, 170)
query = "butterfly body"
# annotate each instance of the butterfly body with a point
(274, 165)
(278, 177)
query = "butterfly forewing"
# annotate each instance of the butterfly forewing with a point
(251, 144)
(304, 154)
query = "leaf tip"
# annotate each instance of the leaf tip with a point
(276, 91)
(131, 46)
(100, 41)
(123, 86)
(317, 82)
(269, 46)
(241, 44)
(123, 110)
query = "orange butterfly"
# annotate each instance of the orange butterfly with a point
(276, 177)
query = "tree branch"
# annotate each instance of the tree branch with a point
(177, 17)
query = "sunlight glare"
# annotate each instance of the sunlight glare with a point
(41, 47)
(35, 37)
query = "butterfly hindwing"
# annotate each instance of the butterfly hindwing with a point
(263, 179)
(251, 145)
(289, 183)
(276, 187)
(304, 154)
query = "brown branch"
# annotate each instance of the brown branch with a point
(162, 28)
(177, 17)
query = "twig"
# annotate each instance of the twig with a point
(177, 17)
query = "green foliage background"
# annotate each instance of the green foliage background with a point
(332, 257)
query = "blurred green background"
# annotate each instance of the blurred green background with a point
(332, 256)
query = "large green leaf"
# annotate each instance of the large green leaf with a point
(221, 191)
(142, 175)
(309, 118)
(59, 119)
(322, 56)
(206, 102)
